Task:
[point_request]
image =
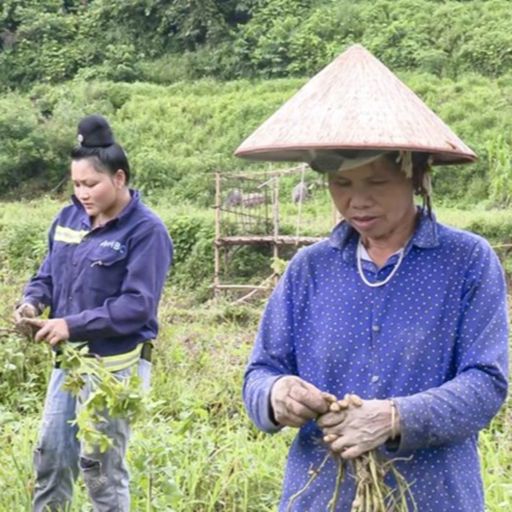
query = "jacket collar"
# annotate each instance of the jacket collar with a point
(125, 212)
(426, 236)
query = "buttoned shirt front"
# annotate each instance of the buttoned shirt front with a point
(434, 338)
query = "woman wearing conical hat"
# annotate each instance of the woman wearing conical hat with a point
(405, 313)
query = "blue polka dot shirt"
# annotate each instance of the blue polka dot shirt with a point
(434, 339)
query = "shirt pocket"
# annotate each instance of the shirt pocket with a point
(105, 272)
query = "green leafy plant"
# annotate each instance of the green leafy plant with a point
(110, 396)
(500, 172)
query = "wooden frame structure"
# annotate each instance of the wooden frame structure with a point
(269, 220)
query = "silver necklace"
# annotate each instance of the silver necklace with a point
(359, 257)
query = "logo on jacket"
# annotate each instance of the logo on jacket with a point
(115, 245)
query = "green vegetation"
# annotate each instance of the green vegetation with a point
(195, 450)
(166, 41)
(183, 82)
(178, 135)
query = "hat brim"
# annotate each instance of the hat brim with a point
(323, 154)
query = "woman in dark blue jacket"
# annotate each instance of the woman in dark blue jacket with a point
(102, 280)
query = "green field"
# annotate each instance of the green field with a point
(195, 450)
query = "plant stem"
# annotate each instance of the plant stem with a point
(331, 507)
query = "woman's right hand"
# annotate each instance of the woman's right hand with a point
(295, 401)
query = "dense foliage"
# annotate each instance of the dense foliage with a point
(177, 135)
(180, 120)
(51, 40)
(167, 40)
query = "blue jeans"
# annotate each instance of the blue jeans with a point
(59, 456)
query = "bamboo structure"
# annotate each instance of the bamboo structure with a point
(252, 209)
(216, 282)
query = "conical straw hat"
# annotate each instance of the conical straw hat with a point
(354, 103)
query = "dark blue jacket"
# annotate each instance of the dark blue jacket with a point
(105, 282)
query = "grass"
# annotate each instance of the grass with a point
(195, 450)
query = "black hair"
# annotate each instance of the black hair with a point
(96, 142)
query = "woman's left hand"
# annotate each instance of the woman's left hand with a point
(52, 331)
(361, 430)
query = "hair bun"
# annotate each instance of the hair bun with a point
(94, 131)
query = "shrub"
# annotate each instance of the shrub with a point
(177, 136)
(23, 244)
(193, 238)
(24, 144)
(500, 172)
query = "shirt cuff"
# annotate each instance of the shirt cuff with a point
(264, 415)
(39, 306)
(76, 331)
(415, 424)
